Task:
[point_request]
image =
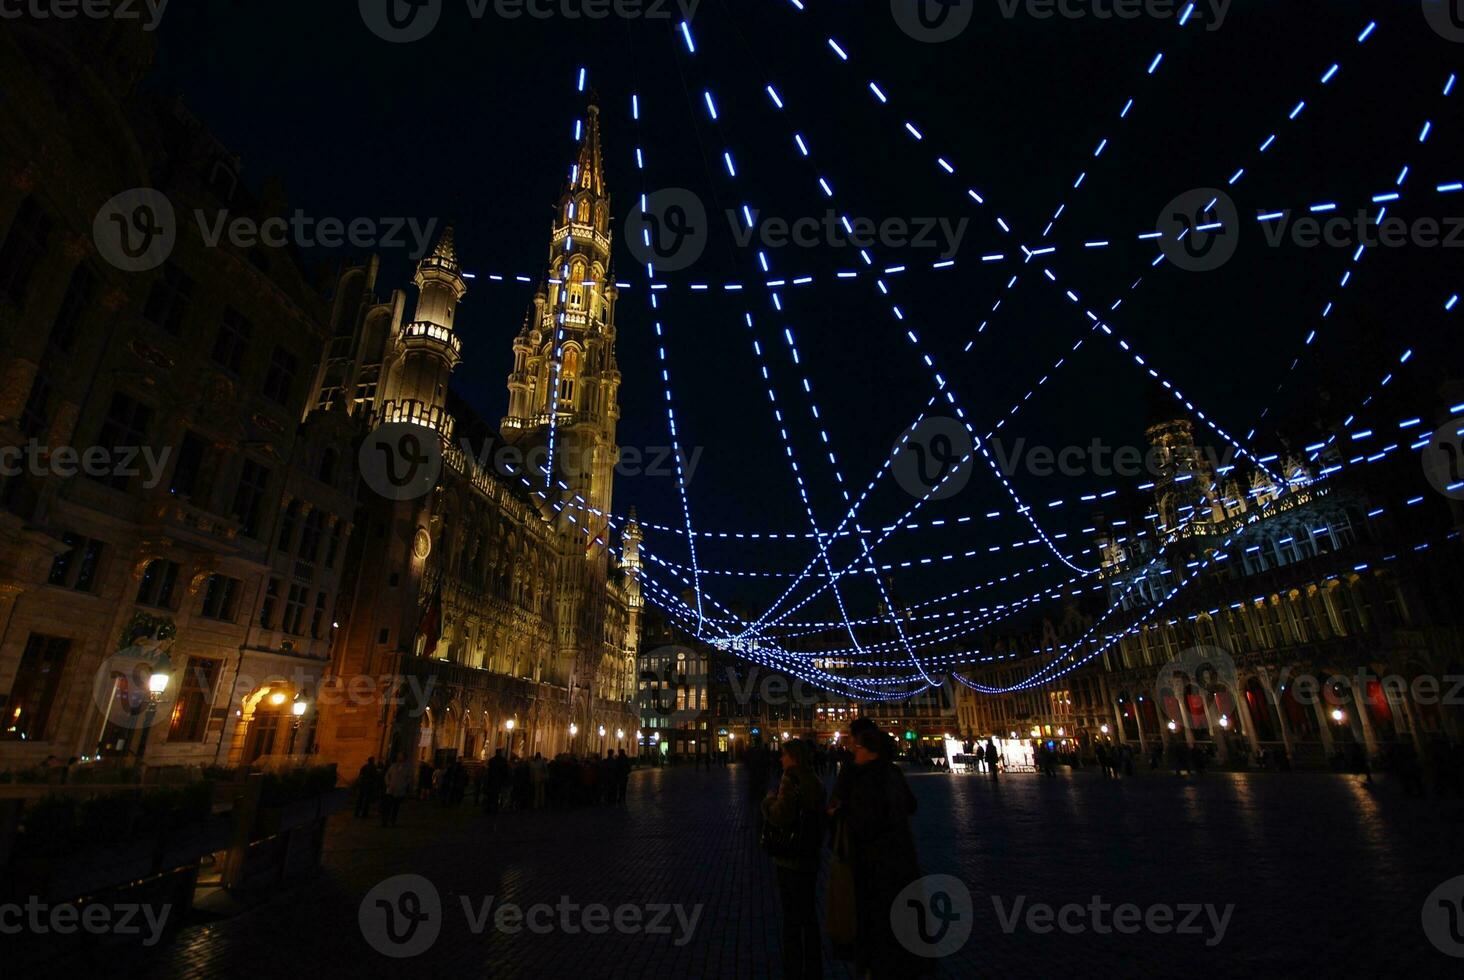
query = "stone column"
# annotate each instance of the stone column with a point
(1273, 697)
(1242, 708)
(1358, 686)
(1218, 734)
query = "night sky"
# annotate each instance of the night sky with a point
(475, 124)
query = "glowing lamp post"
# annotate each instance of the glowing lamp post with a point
(297, 710)
(157, 683)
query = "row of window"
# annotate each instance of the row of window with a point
(33, 696)
(161, 587)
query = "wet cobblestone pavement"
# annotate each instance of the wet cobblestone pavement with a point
(1325, 874)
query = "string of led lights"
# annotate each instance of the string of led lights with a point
(640, 163)
(948, 167)
(858, 531)
(946, 164)
(1357, 254)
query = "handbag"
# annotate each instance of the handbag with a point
(841, 915)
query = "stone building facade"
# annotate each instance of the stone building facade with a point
(1331, 629)
(485, 611)
(170, 505)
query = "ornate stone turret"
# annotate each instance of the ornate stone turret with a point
(425, 350)
(563, 391)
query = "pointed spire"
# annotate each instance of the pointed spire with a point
(589, 171)
(446, 250)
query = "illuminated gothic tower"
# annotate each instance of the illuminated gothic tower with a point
(563, 393)
(424, 351)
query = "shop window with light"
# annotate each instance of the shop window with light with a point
(33, 692)
(195, 691)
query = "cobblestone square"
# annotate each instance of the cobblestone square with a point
(1324, 872)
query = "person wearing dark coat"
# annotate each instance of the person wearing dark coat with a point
(876, 815)
(368, 787)
(799, 795)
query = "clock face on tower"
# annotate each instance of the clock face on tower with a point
(421, 544)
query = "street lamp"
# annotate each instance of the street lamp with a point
(298, 710)
(157, 683)
(1338, 714)
(1173, 726)
(573, 731)
(1103, 729)
(1224, 721)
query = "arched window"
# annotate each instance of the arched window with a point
(568, 372)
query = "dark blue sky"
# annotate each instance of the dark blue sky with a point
(475, 123)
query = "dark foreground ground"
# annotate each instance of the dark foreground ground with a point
(1323, 872)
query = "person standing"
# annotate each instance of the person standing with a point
(796, 808)
(876, 819)
(622, 776)
(398, 786)
(497, 776)
(992, 758)
(538, 775)
(367, 786)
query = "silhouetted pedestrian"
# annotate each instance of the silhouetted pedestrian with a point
(794, 815)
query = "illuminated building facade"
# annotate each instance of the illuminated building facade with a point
(1330, 627)
(490, 605)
